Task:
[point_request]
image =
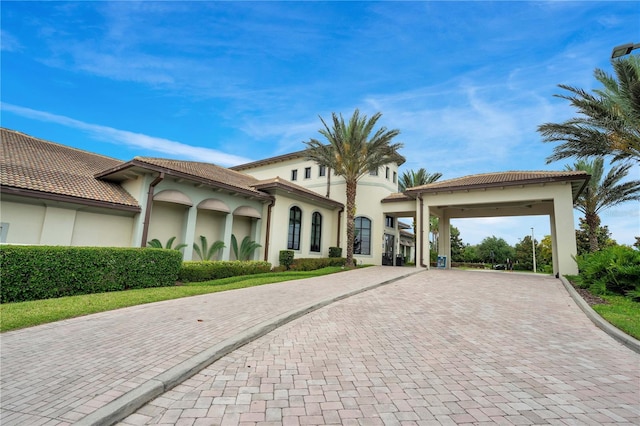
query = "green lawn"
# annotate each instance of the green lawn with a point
(621, 312)
(27, 314)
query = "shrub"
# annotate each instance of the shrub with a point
(613, 270)
(43, 272)
(311, 264)
(213, 270)
(335, 252)
(286, 258)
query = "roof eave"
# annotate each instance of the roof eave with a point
(30, 193)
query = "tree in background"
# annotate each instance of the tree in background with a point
(457, 246)
(352, 152)
(411, 178)
(524, 254)
(495, 250)
(470, 254)
(545, 249)
(609, 119)
(602, 192)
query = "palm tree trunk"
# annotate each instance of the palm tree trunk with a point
(351, 213)
(593, 222)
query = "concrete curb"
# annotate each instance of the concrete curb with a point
(131, 401)
(612, 331)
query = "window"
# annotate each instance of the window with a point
(362, 241)
(322, 171)
(395, 177)
(294, 175)
(307, 172)
(295, 220)
(316, 231)
(373, 172)
(4, 230)
(386, 173)
(388, 221)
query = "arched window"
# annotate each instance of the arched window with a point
(316, 231)
(362, 241)
(295, 221)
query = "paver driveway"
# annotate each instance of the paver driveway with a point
(440, 347)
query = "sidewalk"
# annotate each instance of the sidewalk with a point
(99, 368)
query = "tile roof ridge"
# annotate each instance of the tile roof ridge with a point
(58, 144)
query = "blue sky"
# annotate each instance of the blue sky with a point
(466, 83)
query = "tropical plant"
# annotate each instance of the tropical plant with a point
(205, 252)
(412, 178)
(246, 249)
(155, 243)
(352, 152)
(603, 192)
(609, 120)
(603, 235)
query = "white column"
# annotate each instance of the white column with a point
(565, 234)
(226, 232)
(189, 231)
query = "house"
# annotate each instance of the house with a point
(53, 194)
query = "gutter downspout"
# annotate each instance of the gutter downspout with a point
(421, 231)
(328, 182)
(147, 213)
(339, 225)
(268, 230)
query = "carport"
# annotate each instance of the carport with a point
(493, 195)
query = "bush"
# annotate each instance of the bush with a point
(311, 264)
(614, 270)
(43, 272)
(213, 270)
(335, 252)
(286, 258)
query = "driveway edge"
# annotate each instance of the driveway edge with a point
(131, 401)
(604, 325)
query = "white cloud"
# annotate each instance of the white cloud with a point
(176, 150)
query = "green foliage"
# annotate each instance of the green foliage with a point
(335, 251)
(413, 178)
(42, 272)
(286, 258)
(523, 256)
(155, 243)
(246, 250)
(500, 249)
(602, 234)
(615, 270)
(457, 246)
(311, 264)
(205, 252)
(212, 270)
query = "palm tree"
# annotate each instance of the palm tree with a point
(609, 120)
(351, 153)
(412, 178)
(600, 194)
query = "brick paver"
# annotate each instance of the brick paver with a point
(441, 347)
(58, 373)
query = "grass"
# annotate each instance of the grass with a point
(14, 316)
(622, 313)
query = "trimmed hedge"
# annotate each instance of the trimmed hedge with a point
(311, 264)
(335, 252)
(44, 272)
(286, 258)
(212, 270)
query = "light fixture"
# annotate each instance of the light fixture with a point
(623, 49)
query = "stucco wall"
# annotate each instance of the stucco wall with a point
(101, 230)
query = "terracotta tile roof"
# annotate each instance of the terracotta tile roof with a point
(278, 183)
(493, 180)
(396, 196)
(32, 166)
